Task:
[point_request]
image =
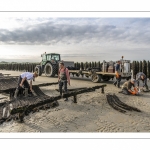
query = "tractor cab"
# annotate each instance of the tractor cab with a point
(51, 57)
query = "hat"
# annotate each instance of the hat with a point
(36, 73)
(133, 80)
(61, 63)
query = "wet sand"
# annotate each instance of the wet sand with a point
(92, 113)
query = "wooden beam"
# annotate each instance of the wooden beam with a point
(44, 99)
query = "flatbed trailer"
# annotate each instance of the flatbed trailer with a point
(97, 76)
(90, 73)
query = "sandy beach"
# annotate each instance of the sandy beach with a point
(92, 113)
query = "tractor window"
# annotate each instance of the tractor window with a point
(48, 57)
(44, 58)
(56, 57)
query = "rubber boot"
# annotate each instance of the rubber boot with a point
(66, 99)
(118, 85)
(146, 87)
(115, 83)
(16, 93)
(26, 92)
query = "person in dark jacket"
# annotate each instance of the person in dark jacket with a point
(141, 76)
(118, 74)
(63, 78)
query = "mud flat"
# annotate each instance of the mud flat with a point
(92, 113)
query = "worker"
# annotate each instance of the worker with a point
(118, 74)
(141, 76)
(23, 83)
(63, 78)
(129, 88)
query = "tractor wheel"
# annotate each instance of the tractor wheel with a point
(106, 78)
(96, 78)
(38, 70)
(50, 70)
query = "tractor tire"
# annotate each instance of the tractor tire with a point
(50, 70)
(106, 78)
(96, 78)
(38, 70)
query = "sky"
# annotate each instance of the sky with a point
(76, 39)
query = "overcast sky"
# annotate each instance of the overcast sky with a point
(78, 39)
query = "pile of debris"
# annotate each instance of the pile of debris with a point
(16, 109)
(118, 105)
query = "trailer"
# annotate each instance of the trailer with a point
(104, 71)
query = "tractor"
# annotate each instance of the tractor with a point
(50, 64)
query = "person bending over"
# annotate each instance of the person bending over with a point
(141, 76)
(129, 88)
(23, 82)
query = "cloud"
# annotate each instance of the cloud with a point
(84, 31)
(86, 39)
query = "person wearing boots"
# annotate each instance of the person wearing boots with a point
(142, 76)
(22, 82)
(118, 74)
(128, 88)
(63, 78)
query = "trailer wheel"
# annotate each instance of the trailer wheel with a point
(38, 70)
(50, 70)
(106, 78)
(96, 78)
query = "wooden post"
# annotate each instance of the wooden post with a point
(102, 90)
(75, 98)
(11, 95)
(21, 117)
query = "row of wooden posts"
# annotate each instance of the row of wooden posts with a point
(30, 67)
(136, 66)
(141, 66)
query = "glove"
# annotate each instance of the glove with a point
(117, 75)
(135, 89)
(133, 93)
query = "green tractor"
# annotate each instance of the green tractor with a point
(49, 64)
